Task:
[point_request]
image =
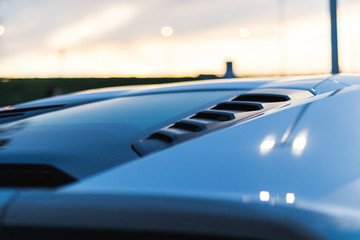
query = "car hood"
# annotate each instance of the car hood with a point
(297, 167)
(301, 82)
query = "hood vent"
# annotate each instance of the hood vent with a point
(32, 175)
(240, 108)
(14, 113)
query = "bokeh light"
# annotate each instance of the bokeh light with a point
(244, 32)
(2, 30)
(167, 31)
(84, 31)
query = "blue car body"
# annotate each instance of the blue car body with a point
(131, 164)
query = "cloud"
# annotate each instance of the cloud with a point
(96, 25)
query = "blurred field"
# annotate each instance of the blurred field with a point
(13, 91)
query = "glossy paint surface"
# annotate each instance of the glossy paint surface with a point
(90, 138)
(298, 166)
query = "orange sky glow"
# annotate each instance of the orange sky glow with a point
(113, 42)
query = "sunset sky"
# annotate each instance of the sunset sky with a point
(142, 38)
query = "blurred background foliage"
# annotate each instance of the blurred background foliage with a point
(13, 91)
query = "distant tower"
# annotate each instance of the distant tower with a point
(229, 70)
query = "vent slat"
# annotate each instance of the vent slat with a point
(262, 97)
(239, 106)
(215, 115)
(188, 126)
(161, 136)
